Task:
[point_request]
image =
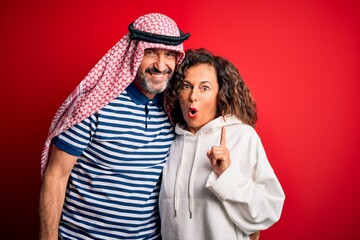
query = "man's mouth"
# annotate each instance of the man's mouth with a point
(157, 73)
(192, 113)
(158, 76)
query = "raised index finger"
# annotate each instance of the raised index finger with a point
(223, 137)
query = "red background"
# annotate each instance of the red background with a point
(300, 59)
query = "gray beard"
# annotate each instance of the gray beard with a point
(147, 85)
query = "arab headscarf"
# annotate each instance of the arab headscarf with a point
(114, 72)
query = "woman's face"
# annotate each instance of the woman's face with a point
(198, 96)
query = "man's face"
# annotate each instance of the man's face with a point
(155, 71)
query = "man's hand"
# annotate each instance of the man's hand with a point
(255, 236)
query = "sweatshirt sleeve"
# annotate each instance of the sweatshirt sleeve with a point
(251, 193)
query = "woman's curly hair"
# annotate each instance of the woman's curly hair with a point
(234, 96)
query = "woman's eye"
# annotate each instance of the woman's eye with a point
(186, 86)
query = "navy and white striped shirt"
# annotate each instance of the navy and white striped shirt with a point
(113, 188)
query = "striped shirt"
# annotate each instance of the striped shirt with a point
(114, 186)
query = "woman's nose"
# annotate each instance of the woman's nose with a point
(193, 96)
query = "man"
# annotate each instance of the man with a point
(110, 140)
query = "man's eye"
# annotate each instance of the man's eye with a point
(171, 54)
(205, 88)
(149, 52)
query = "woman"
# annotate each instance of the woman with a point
(218, 183)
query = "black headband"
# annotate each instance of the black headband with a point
(156, 38)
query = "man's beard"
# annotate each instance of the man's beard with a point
(149, 86)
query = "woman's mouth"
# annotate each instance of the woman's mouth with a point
(192, 112)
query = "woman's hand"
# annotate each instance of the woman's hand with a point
(220, 155)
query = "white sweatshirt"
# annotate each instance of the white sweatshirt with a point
(195, 204)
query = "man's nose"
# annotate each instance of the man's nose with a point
(160, 63)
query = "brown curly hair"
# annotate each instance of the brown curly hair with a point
(234, 96)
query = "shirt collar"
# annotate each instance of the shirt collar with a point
(139, 98)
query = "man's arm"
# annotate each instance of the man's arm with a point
(53, 190)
